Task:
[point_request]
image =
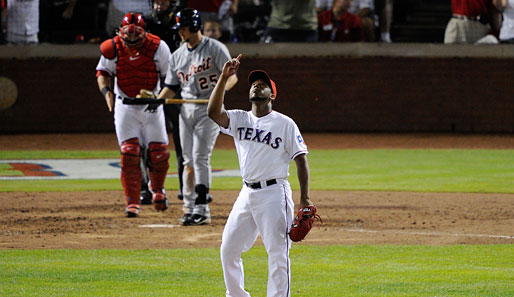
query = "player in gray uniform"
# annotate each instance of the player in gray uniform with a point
(195, 68)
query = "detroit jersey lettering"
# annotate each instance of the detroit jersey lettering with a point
(276, 132)
(197, 70)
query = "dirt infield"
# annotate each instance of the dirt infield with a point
(87, 220)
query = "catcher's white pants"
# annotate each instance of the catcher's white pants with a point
(133, 121)
(268, 212)
(198, 134)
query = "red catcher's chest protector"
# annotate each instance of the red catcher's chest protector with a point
(137, 72)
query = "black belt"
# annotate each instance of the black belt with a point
(258, 185)
(465, 17)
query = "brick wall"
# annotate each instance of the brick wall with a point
(334, 94)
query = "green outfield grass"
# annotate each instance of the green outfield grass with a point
(328, 271)
(485, 171)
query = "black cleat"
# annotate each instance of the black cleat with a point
(186, 219)
(201, 220)
(201, 215)
(146, 197)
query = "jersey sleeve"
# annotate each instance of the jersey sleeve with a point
(235, 118)
(162, 58)
(171, 77)
(295, 145)
(107, 65)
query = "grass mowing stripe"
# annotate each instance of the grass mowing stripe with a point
(486, 171)
(460, 270)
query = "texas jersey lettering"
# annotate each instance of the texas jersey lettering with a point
(261, 136)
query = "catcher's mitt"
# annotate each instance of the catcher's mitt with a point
(302, 223)
(148, 94)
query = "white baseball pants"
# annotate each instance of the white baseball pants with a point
(268, 212)
(133, 121)
(198, 134)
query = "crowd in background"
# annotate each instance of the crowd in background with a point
(250, 21)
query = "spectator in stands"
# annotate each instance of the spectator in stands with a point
(365, 10)
(118, 8)
(507, 26)
(71, 21)
(337, 24)
(384, 10)
(292, 21)
(87, 19)
(471, 21)
(22, 21)
(221, 11)
(251, 20)
(212, 29)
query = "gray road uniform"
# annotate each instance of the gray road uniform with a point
(196, 71)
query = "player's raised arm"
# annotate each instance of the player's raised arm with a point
(215, 107)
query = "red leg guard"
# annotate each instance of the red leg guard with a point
(130, 170)
(159, 156)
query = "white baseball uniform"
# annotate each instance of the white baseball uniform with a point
(131, 120)
(197, 71)
(265, 147)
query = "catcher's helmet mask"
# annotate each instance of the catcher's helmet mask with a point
(188, 17)
(132, 29)
(262, 75)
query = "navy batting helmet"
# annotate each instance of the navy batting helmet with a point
(188, 17)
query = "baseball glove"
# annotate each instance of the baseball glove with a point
(302, 223)
(148, 94)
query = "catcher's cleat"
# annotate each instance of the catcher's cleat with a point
(146, 197)
(132, 210)
(160, 201)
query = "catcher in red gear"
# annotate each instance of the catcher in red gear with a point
(138, 61)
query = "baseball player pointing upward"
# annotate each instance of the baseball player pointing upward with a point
(266, 142)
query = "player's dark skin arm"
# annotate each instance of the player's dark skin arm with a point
(302, 169)
(215, 107)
